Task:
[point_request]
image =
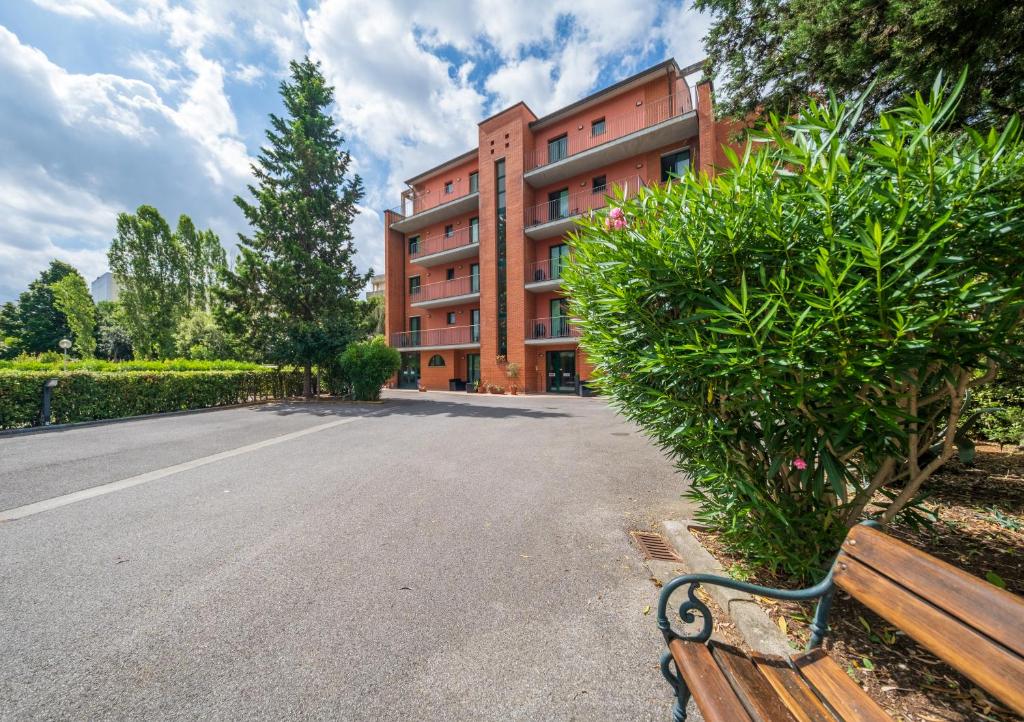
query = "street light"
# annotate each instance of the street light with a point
(65, 344)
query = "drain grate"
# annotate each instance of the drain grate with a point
(655, 546)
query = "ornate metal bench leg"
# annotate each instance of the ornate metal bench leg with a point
(682, 692)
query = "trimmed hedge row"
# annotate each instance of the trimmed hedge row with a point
(89, 396)
(42, 363)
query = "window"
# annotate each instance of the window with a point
(474, 182)
(414, 285)
(449, 188)
(451, 318)
(474, 230)
(558, 204)
(414, 245)
(449, 230)
(598, 184)
(449, 274)
(436, 360)
(557, 258)
(558, 148)
(474, 325)
(597, 127)
(474, 278)
(675, 164)
(559, 317)
(414, 330)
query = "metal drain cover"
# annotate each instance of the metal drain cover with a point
(655, 546)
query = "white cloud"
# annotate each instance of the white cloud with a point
(93, 10)
(248, 74)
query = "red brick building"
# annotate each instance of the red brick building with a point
(473, 255)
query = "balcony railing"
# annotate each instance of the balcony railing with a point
(574, 204)
(446, 289)
(447, 336)
(464, 236)
(413, 203)
(550, 269)
(539, 329)
(643, 116)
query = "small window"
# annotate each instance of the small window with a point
(449, 274)
(675, 164)
(449, 230)
(598, 184)
(448, 188)
(474, 182)
(558, 148)
(436, 360)
(414, 285)
(597, 127)
(414, 245)
(451, 318)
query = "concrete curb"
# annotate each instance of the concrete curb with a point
(166, 414)
(752, 623)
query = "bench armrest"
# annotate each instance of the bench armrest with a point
(821, 591)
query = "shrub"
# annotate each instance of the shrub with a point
(89, 395)
(1005, 426)
(53, 361)
(367, 365)
(798, 330)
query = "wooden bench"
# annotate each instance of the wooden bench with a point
(975, 627)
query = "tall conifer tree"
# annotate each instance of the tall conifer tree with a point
(293, 292)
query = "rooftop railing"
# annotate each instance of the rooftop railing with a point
(447, 336)
(446, 289)
(577, 140)
(465, 236)
(574, 204)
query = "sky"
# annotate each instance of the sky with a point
(106, 105)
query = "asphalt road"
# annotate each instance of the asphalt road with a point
(435, 557)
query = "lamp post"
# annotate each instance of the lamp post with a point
(44, 413)
(65, 344)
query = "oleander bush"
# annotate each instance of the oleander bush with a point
(93, 395)
(363, 369)
(798, 331)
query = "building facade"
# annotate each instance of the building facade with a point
(376, 286)
(473, 255)
(104, 288)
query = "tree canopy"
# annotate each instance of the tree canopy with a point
(293, 294)
(773, 54)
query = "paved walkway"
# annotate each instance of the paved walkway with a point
(433, 557)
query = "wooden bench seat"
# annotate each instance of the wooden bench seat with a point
(975, 627)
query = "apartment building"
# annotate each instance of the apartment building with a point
(473, 255)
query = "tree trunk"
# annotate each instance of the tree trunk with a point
(307, 388)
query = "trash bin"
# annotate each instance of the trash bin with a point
(585, 389)
(456, 385)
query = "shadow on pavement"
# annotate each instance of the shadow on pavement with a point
(406, 407)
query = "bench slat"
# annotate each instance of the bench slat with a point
(792, 689)
(841, 693)
(757, 694)
(989, 609)
(988, 664)
(711, 691)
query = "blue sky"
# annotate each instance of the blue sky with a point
(109, 104)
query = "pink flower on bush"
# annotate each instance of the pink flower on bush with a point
(799, 463)
(616, 220)
(616, 213)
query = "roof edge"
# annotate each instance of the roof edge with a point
(441, 166)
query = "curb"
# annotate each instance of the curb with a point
(165, 414)
(752, 623)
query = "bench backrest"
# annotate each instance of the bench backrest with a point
(972, 625)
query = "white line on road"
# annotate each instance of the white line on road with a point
(58, 501)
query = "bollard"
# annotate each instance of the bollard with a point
(44, 415)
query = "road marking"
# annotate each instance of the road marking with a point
(58, 501)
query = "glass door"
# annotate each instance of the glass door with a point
(474, 328)
(409, 371)
(557, 256)
(559, 317)
(472, 368)
(558, 204)
(474, 278)
(414, 332)
(561, 372)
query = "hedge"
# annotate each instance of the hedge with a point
(36, 363)
(89, 396)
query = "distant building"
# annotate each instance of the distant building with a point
(104, 288)
(377, 286)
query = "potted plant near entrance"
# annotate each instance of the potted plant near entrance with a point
(512, 371)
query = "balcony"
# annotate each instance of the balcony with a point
(437, 338)
(545, 275)
(553, 330)
(653, 125)
(557, 216)
(419, 210)
(445, 248)
(446, 293)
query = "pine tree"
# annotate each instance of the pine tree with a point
(293, 294)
